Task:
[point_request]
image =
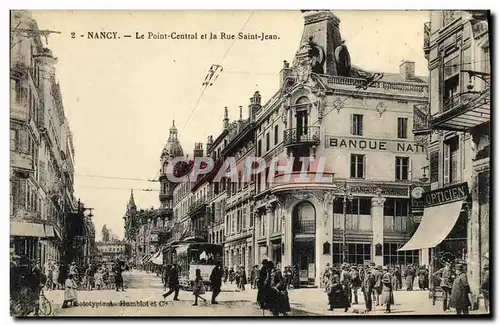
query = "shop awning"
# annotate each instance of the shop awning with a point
(437, 223)
(22, 229)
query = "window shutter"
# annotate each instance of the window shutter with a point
(446, 164)
(352, 124)
(360, 131)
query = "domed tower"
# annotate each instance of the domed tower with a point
(171, 150)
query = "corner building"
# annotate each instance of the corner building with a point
(361, 125)
(457, 127)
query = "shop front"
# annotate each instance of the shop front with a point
(443, 230)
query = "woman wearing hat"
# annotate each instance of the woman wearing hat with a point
(70, 291)
(460, 290)
(336, 294)
(387, 296)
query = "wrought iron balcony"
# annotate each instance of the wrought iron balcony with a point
(166, 196)
(21, 162)
(198, 206)
(201, 235)
(301, 136)
(305, 227)
(165, 212)
(18, 112)
(161, 230)
(463, 111)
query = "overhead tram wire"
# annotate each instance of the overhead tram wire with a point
(112, 177)
(124, 189)
(220, 64)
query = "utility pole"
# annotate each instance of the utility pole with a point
(347, 196)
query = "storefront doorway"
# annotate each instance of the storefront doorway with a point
(304, 241)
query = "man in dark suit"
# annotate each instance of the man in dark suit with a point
(216, 281)
(368, 285)
(173, 283)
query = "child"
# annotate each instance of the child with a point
(198, 288)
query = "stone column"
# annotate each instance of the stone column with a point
(324, 233)
(269, 217)
(378, 227)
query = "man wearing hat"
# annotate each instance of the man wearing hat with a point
(446, 276)
(460, 292)
(387, 296)
(345, 280)
(377, 288)
(355, 283)
(367, 287)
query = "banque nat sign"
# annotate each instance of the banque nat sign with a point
(446, 195)
(367, 144)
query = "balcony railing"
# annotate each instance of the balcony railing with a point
(165, 212)
(18, 112)
(299, 178)
(299, 136)
(21, 161)
(402, 87)
(305, 227)
(197, 234)
(160, 230)
(458, 100)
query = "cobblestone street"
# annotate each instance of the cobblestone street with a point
(146, 289)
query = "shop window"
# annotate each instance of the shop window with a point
(399, 258)
(357, 253)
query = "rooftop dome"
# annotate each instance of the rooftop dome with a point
(172, 148)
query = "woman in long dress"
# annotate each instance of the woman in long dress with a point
(336, 294)
(70, 292)
(198, 288)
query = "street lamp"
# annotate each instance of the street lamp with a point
(347, 196)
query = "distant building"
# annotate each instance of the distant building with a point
(112, 250)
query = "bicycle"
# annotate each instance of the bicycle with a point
(44, 305)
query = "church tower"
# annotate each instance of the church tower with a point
(171, 150)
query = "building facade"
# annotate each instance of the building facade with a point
(359, 123)
(111, 251)
(457, 127)
(41, 148)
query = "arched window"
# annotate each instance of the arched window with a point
(304, 219)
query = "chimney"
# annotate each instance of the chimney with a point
(198, 150)
(225, 121)
(285, 72)
(241, 112)
(320, 38)
(407, 70)
(254, 105)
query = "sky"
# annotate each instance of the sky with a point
(120, 96)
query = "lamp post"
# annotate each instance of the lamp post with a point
(347, 196)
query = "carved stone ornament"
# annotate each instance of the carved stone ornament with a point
(380, 108)
(328, 198)
(284, 113)
(320, 103)
(269, 208)
(303, 71)
(378, 201)
(301, 195)
(338, 104)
